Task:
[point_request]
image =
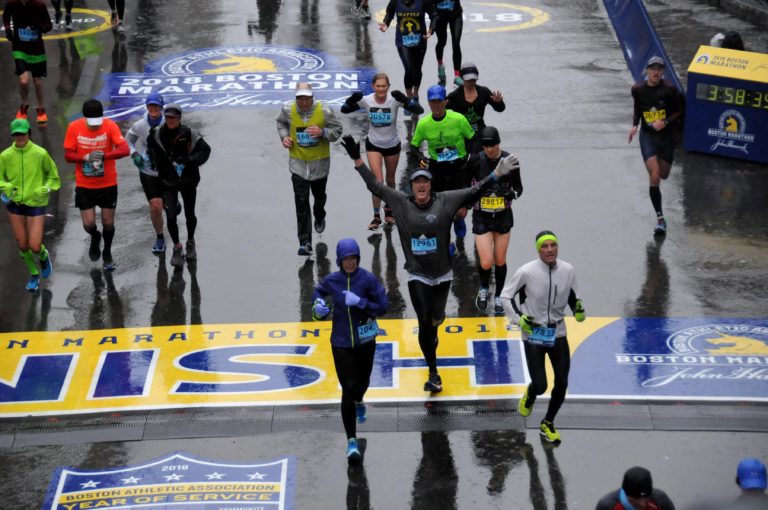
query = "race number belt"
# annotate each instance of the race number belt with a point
(368, 331)
(423, 245)
(492, 204)
(543, 336)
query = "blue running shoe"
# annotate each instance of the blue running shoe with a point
(661, 226)
(46, 267)
(460, 228)
(451, 249)
(353, 452)
(33, 284)
(360, 411)
(159, 246)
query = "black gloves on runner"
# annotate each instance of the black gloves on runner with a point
(350, 105)
(352, 147)
(399, 96)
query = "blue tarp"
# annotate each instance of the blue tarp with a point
(638, 38)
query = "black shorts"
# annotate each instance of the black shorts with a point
(88, 198)
(38, 70)
(392, 151)
(152, 186)
(448, 176)
(500, 222)
(659, 144)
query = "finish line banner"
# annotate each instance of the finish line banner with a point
(56, 373)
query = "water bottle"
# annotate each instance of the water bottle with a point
(5, 198)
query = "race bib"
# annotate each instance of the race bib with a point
(305, 139)
(380, 118)
(423, 245)
(411, 39)
(445, 5)
(368, 331)
(89, 170)
(28, 34)
(654, 115)
(447, 154)
(491, 204)
(543, 336)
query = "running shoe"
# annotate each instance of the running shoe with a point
(191, 252)
(121, 27)
(159, 246)
(460, 228)
(434, 384)
(42, 117)
(46, 267)
(319, 226)
(69, 23)
(524, 407)
(441, 75)
(375, 223)
(549, 432)
(94, 252)
(22, 112)
(108, 263)
(498, 308)
(113, 18)
(481, 301)
(389, 218)
(177, 259)
(360, 412)
(661, 226)
(353, 452)
(365, 12)
(451, 249)
(458, 81)
(305, 249)
(33, 284)
(356, 11)
(57, 22)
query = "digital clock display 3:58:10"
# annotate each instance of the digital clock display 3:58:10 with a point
(732, 96)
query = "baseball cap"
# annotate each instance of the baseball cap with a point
(637, 482)
(304, 93)
(172, 109)
(436, 93)
(155, 98)
(655, 61)
(20, 127)
(93, 112)
(751, 474)
(469, 71)
(421, 173)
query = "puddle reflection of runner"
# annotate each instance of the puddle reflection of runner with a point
(35, 321)
(397, 304)
(112, 316)
(267, 24)
(170, 308)
(119, 54)
(70, 68)
(436, 483)
(358, 492)
(307, 280)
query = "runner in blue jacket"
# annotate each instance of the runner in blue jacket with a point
(355, 297)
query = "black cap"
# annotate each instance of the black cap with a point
(637, 482)
(489, 136)
(172, 110)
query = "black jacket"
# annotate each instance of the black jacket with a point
(182, 145)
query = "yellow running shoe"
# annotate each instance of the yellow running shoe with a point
(549, 432)
(523, 407)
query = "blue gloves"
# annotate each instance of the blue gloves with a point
(179, 168)
(320, 309)
(138, 160)
(352, 299)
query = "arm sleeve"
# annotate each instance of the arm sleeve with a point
(511, 289)
(517, 182)
(283, 124)
(636, 113)
(49, 166)
(498, 107)
(390, 13)
(332, 125)
(466, 129)
(200, 152)
(379, 189)
(132, 137)
(120, 149)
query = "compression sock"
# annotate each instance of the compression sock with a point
(501, 276)
(485, 276)
(655, 193)
(109, 234)
(43, 255)
(29, 260)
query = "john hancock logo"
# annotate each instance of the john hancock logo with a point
(233, 77)
(176, 481)
(731, 132)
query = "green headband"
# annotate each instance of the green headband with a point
(543, 239)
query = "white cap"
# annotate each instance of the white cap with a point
(304, 93)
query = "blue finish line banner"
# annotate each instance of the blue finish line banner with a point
(233, 77)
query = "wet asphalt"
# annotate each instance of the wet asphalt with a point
(568, 114)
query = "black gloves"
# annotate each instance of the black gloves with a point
(352, 147)
(399, 96)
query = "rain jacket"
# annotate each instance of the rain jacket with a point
(28, 169)
(187, 148)
(347, 319)
(319, 168)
